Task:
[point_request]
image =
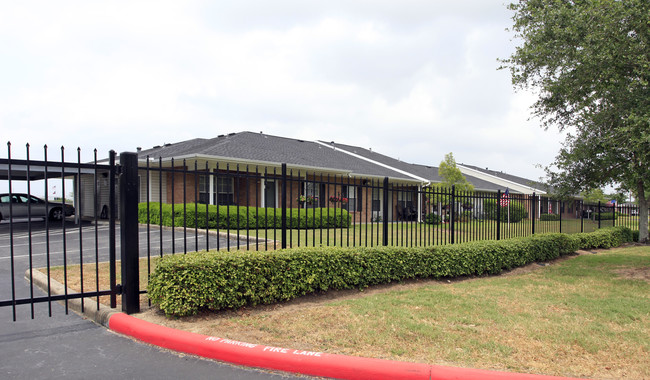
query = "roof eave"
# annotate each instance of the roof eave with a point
(515, 185)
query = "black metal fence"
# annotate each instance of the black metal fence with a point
(170, 206)
(309, 208)
(42, 237)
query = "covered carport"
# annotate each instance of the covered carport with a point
(18, 176)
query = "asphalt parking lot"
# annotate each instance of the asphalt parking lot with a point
(41, 240)
(70, 346)
(39, 244)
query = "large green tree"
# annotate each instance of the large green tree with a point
(589, 63)
(594, 196)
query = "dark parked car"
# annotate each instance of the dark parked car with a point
(23, 205)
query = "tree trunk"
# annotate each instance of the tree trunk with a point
(643, 213)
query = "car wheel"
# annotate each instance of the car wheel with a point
(56, 214)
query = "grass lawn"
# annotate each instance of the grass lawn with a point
(412, 233)
(585, 316)
(97, 278)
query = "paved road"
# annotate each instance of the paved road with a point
(71, 347)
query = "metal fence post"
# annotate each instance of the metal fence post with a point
(498, 204)
(582, 216)
(452, 214)
(111, 229)
(559, 211)
(129, 194)
(385, 212)
(599, 215)
(533, 212)
(283, 226)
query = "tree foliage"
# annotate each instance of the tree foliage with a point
(594, 196)
(619, 196)
(452, 176)
(589, 61)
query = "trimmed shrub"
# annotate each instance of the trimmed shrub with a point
(605, 238)
(185, 284)
(518, 211)
(432, 219)
(237, 218)
(549, 217)
(605, 215)
(635, 235)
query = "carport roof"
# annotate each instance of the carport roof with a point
(21, 170)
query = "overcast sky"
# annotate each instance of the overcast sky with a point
(410, 79)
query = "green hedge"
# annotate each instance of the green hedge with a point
(184, 284)
(432, 219)
(236, 218)
(635, 235)
(605, 215)
(605, 238)
(549, 217)
(518, 211)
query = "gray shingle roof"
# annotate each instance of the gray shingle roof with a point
(428, 172)
(273, 150)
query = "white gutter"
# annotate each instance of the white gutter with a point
(423, 180)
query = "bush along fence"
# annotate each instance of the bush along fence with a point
(274, 208)
(183, 285)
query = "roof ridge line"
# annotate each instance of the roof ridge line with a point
(375, 162)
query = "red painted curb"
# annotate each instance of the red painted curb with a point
(297, 361)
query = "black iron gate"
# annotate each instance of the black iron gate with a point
(57, 231)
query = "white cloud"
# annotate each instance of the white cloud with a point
(411, 79)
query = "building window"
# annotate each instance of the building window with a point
(353, 193)
(549, 207)
(312, 194)
(405, 198)
(270, 193)
(376, 200)
(225, 194)
(204, 189)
